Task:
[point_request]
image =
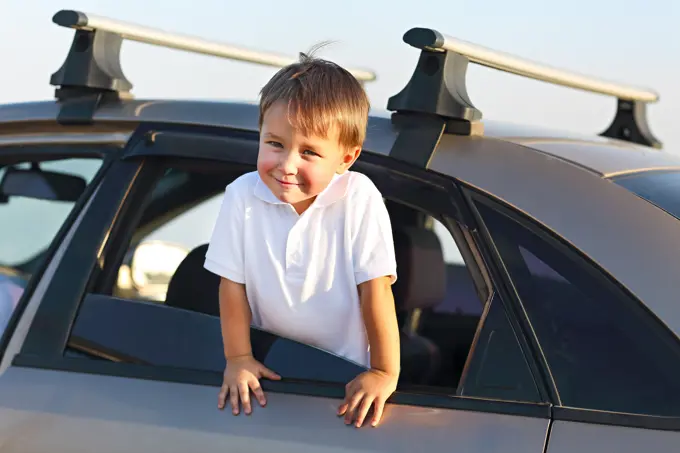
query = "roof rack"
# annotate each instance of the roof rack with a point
(92, 70)
(437, 88)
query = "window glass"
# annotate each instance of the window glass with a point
(461, 294)
(659, 188)
(29, 223)
(131, 331)
(603, 348)
(498, 368)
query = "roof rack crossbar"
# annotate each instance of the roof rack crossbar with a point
(93, 61)
(438, 84)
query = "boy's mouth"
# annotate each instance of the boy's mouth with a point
(286, 183)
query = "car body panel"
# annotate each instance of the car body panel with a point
(568, 437)
(560, 196)
(62, 412)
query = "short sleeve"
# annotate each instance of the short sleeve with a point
(225, 252)
(372, 242)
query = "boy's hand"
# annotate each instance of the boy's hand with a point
(372, 387)
(242, 375)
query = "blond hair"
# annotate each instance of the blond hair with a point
(320, 95)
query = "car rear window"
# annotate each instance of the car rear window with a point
(661, 188)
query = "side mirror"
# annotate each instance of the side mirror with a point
(41, 184)
(152, 266)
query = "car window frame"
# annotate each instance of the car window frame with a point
(123, 182)
(46, 150)
(559, 411)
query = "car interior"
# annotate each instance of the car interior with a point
(437, 302)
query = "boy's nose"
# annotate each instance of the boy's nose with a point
(288, 164)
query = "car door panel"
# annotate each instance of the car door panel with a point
(57, 411)
(568, 436)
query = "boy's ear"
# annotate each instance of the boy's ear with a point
(348, 159)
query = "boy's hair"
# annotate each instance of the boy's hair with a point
(320, 94)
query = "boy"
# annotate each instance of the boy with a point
(304, 246)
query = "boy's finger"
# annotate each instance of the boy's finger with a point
(363, 410)
(269, 374)
(349, 392)
(257, 391)
(378, 407)
(342, 408)
(244, 392)
(222, 397)
(354, 402)
(233, 395)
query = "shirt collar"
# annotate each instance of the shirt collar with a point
(336, 190)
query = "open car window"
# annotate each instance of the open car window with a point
(155, 304)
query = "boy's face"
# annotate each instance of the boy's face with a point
(297, 168)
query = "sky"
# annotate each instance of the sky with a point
(631, 41)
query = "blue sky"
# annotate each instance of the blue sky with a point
(632, 41)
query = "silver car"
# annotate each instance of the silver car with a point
(539, 270)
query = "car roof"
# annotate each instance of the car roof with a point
(603, 156)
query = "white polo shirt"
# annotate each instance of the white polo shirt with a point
(301, 271)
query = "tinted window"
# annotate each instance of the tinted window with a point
(604, 350)
(159, 335)
(659, 188)
(497, 368)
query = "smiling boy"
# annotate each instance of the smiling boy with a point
(304, 246)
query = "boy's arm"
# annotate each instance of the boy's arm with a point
(243, 372)
(235, 318)
(375, 271)
(380, 319)
(225, 257)
(374, 387)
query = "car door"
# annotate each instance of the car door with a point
(615, 367)
(110, 373)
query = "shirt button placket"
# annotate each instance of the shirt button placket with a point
(294, 251)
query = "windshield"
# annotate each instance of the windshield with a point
(660, 188)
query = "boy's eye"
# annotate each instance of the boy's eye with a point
(273, 143)
(309, 152)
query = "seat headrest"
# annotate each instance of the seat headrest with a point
(193, 287)
(421, 269)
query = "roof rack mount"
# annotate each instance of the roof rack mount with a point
(93, 63)
(437, 89)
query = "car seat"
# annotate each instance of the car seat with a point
(421, 285)
(193, 287)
